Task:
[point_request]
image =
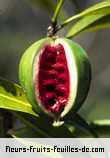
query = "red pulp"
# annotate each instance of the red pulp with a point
(53, 78)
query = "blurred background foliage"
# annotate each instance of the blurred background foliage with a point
(22, 22)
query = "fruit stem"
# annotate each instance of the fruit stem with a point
(53, 28)
(57, 10)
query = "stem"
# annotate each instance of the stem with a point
(69, 20)
(57, 10)
(53, 28)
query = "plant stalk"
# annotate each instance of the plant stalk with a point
(57, 10)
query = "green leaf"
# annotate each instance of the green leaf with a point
(95, 9)
(83, 24)
(37, 124)
(89, 17)
(100, 24)
(12, 97)
(80, 123)
(44, 126)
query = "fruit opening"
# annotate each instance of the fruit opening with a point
(53, 78)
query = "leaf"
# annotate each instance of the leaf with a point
(80, 124)
(89, 17)
(33, 123)
(95, 9)
(12, 97)
(43, 126)
(102, 122)
(25, 132)
(102, 23)
(83, 24)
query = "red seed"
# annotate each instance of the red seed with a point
(50, 53)
(62, 78)
(52, 73)
(59, 67)
(45, 66)
(49, 85)
(50, 57)
(62, 101)
(50, 98)
(53, 78)
(50, 95)
(60, 58)
(61, 89)
(55, 108)
(51, 49)
(59, 48)
(49, 82)
(59, 105)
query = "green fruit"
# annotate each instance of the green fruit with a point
(55, 74)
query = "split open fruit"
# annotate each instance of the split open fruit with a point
(55, 74)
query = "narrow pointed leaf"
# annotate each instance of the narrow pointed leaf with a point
(25, 132)
(90, 17)
(34, 123)
(77, 121)
(103, 122)
(103, 23)
(44, 126)
(12, 97)
(95, 9)
(82, 24)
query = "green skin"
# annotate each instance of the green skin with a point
(26, 72)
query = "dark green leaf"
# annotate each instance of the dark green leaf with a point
(44, 126)
(25, 132)
(12, 97)
(80, 123)
(34, 123)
